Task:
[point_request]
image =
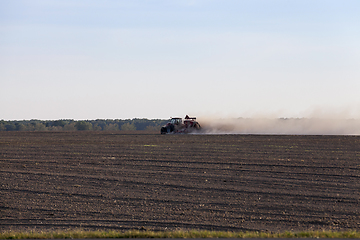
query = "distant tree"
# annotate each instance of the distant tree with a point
(152, 128)
(140, 124)
(21, 126)
(60, 123)
(10, 126)
(39, 126)
(128, 127)
(55, 128)
(98, 124)
(96, 127)
(83, 125)
(70, 126)
(111, 127)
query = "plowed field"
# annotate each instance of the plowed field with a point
(104, 180)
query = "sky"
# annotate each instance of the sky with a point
(84, 59)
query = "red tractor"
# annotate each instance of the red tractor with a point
(176, 125)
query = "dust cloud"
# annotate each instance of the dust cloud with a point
(315, 121)
(297, 126)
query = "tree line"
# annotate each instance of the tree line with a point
(83, 125)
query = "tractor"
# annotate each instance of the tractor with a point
(177, 125)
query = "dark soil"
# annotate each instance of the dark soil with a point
(104, 180)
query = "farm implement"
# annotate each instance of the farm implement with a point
(177, 125)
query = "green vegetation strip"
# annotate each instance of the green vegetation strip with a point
(174, 234)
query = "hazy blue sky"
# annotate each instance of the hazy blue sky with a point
(155, 59)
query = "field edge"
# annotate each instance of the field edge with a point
(82, 234)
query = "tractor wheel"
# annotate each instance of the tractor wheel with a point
(197, 126)
(163, 130)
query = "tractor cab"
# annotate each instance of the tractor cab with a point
(176, 121)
